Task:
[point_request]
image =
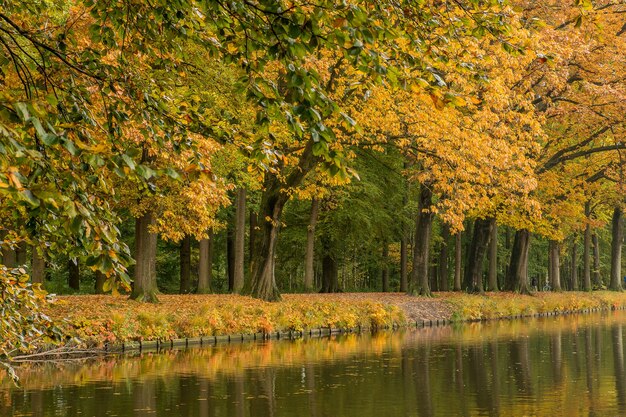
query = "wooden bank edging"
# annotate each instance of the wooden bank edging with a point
(155, 345)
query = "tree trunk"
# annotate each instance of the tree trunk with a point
(587, 251)
(38, 266)
(262, 283)
(595, 273)
(554, 252)
(476, 255)
(99, 284)
(404, 240)
(230, 256)
(9, 256)
(309, 256)
(240, 241)
(253, 229)
(617, 238)
(385, 267)
(419, 275)
(574, 265)
(20, 253)
(433, 276)
(73, 279)
(492, 282)
(404, 262)
(517, 273)
(145, 284)
(443, 259)
(185, 265)
(205, 265)
(458, 255)
(507, 238)
(330, 275)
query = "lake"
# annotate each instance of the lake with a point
(564, 365)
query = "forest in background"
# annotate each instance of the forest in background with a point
(261, 147)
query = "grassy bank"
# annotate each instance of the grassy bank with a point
(96, 320)
(498, 305)
(99, 319)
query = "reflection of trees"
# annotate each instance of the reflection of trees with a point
(478, 377)
(556, 357)
(236, 397)
(598, 339)
(144, 397)
(402, 374)
(592, 373)
(459, 378)
(421, 364)
(309, 375)
(37, 403)
(262, 388)
(204, 398)
(495, 378)
(618, 359)
(520, 356)
(269, 384)
(187, 395)
(575, 361)
(407, 378)
(589, 363)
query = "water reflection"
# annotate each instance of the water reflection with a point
(561, 366)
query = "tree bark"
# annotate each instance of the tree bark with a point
(587, 251)
(38, 266)
(492, 282)
(554, 252)
(145, 284)
(458, 255)
(330, 272)
(385, 267)
(476, 255)
(205, 265)
(73, 272)
(9, 256)
(617, 238)
(185, 265)
(419, 275)
(595, 273)
(507, 238)
(254, 219)
(262, 283)
(230, 256)
(240, 241)
(574, 265)
(404, 262)
(20, 253)
(443, 259)
(309, 256)
(99, 282)
(404, 240)
(433, 275)
(517, 273)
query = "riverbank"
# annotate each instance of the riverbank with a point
(98, 320)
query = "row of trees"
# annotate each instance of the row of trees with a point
(368, 119)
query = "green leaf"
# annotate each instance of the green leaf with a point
(129, 161)
(29, 197)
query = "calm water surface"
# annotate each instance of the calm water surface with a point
(564, 366)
